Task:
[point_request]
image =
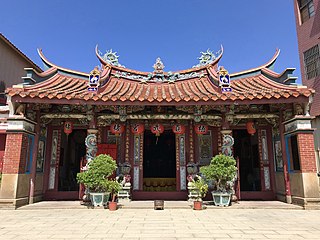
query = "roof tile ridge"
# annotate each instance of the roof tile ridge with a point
(45, 60)
(195, 90)
(198, 84)
(44, 83)
(43, 74)
(105, 73)
(271, 73)
(280, 85)
(108, 87)
(192, 69)
(266, 65)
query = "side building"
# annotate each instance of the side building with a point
(12, 64)
(307, 14)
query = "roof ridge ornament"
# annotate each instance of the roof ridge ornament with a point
(94, 80)
(207, 57)
(224, 80)
(158, 66)
(111, 58)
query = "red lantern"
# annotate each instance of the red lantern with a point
(68, 127)
(178, 129)
(137, 128)
(157, 129)
(201, 129)
(251, 129)
(117, 128)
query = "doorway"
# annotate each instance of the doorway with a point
(246, 148)
(72, 150)
(159, 163)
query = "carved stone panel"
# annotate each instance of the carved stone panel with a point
(205, 148)
(136, 178)
(266, 178)
(183, 180)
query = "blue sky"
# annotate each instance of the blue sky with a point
(142, 30)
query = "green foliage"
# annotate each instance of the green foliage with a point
(222, 170)
(200, 185)
(96, 177)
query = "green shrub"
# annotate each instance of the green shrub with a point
(200, 185)
(222, 171)
(96, 177)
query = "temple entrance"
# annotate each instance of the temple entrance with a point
(159, 163)
(246, 148)
(72, 150)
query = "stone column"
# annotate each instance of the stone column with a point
(304, 180)
(14, 191)
(34, 162)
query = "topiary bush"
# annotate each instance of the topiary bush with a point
(222, 171)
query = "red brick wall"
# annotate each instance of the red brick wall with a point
(306, 152)
(15, 153)
(308, 36)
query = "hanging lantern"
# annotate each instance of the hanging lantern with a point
(251, 129)
(201, 129)
(178, 129)
(157, 129)
(137, 128)
(68, 127)
(117, 128)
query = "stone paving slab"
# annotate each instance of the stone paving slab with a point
(178, 224)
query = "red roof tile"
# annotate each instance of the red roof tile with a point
(197, 89)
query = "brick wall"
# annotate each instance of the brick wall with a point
(15, 153)
(308, 36)
(306, 152)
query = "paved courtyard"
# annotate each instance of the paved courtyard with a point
(225, 223)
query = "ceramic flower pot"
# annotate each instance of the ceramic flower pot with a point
(112, 206)
(221, 198)
(99, 199)
(197, 205)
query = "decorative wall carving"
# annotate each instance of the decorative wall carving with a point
(205, 148)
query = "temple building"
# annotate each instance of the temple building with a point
(159, 126)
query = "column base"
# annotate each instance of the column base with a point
(289, 199)
(307, 203)
(35, 199)
(13, 203)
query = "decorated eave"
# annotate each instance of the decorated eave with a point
(121, 86)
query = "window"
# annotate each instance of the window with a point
(29, 146)
(312, 62)
(2, 93)
(306, 9)
(294, 156)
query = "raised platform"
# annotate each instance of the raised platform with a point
(167, 205)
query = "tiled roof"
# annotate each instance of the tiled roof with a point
(118, 89)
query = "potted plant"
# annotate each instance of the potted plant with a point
(114, 188)
(201, 188)
(222, 172)
(95, 179)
